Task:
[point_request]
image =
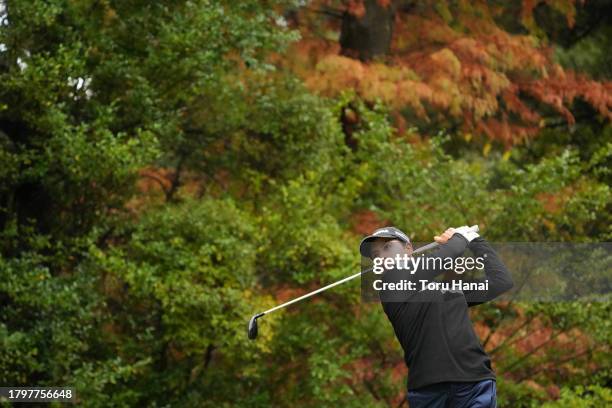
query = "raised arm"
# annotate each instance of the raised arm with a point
(452, 248)
(451, 245)
(497, 274)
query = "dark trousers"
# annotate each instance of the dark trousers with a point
(480, 394)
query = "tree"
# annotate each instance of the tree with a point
(456, 65)
(164, 178)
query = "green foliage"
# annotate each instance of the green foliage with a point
(416, 184)
(510, 393)
(582, 397)
(190, 268)
(48, 323)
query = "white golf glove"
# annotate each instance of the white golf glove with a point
(467, 232)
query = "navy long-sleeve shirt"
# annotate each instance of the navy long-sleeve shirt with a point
(434, 327)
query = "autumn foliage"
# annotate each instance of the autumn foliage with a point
(170, 168)
(452, 65)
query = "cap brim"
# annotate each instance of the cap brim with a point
(366, 249)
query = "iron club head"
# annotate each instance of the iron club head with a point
(253, 326)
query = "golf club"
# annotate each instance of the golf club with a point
(252, 328)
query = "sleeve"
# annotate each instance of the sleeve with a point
(453, 248)
(497, 274)
(431, 265)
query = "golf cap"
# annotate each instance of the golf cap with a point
(387, 232)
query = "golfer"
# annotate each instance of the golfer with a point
(447, 364)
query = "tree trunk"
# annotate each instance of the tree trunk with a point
(369, 34)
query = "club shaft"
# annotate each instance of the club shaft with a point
(348, 278)
(340, 282)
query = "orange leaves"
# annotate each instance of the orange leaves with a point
(555, 202)
(463, 71)
(366, 221)
(397, 86)
(565, 7)
(338, 71)
(414, 32)
(514, 52)
(561, 89)
(356, 8)
(448, 62)
(504, 131)
(515, 105)
(470, 49)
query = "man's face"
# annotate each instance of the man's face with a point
(389, 248)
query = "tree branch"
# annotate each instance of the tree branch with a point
(556, 362)
(162, 182)
(532, 352)
(328, 11)
(176, 180)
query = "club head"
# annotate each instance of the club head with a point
(253, 326)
